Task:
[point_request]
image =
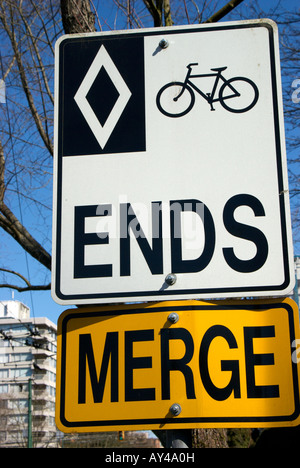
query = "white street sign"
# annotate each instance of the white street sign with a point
(170, 168)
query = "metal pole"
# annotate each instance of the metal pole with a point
(179, 438)
(29, 441)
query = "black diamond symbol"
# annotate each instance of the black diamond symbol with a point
(102, 96)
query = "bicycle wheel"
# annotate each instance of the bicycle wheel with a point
(238, 94)
(172, 103)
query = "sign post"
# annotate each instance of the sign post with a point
(170, 166)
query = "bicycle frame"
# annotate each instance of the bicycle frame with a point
(209, 97)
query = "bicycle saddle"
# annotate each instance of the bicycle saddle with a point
(218, 69)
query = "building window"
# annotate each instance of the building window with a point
(20, 357)
(18, 404)
(3, 373)
(18, 388)
(20, 372)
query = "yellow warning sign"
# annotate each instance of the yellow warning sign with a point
(181, 364)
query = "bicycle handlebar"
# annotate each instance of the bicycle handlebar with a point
(190, 65)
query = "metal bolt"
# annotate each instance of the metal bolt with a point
(173, 317)
(170, 279)
(163, 43)
(175, 409)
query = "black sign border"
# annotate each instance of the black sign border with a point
(185, 293)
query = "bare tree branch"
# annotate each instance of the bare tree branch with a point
(2, 183)
(28, 287)
(167, 13)
(37, 53)
(223, 11)
(11, 34)
(155, 10)
(10, 223)
(17, 274)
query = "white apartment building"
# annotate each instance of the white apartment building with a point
(27, 378)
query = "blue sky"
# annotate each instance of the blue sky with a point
(40, 302)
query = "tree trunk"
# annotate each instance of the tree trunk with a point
(209, 438)
(77, 16)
